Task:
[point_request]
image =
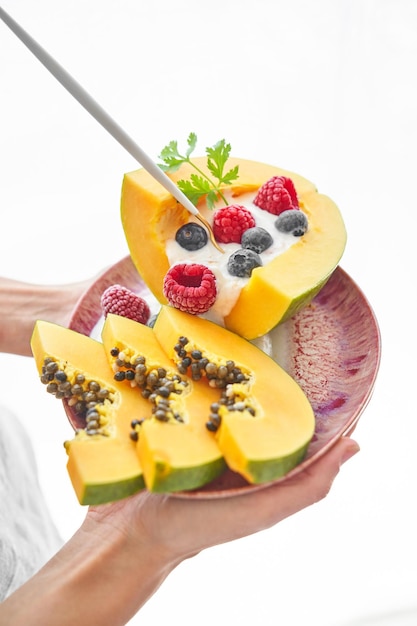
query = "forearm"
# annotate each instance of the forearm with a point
(125, 550)
(21, 304)
(99, 577)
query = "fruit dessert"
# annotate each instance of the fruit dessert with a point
(280, 239)
(169, 401)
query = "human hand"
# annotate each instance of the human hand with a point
(21, 304)
(179, 528)
(124, 550)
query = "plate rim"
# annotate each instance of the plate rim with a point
(93, 293)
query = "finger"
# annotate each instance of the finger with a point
(306, 488)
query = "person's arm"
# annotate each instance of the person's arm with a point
(125, 550)
(21, 304)
(101, 576)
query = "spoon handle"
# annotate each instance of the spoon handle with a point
(97, 111)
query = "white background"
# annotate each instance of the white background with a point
(324, 88)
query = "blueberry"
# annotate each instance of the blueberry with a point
(257, 239)
(242, 262)
(151, 321)
(292, 221)
(191, 236)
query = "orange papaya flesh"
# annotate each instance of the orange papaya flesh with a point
(275, 291)
(176, 451)
(266, 420)
(263, 420)
(102, 462)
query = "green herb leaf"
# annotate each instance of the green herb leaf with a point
(217, 157)
(231, 175)
(192, 142)
(211, 199)
(195, 188)
(171, 157)
(200, 184)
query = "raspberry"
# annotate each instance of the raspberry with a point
(230, 222)
(190, 287)
(277, 195)
(124, 302)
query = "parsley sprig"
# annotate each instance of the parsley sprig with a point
(200, 184)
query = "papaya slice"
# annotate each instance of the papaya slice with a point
(266, 421)
(175, 449)
(102, 461)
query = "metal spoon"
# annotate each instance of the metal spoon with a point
(99, 114)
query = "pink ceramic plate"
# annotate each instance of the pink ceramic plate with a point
(331, 348)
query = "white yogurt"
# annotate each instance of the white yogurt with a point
(229, 287)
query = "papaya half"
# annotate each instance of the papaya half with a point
(277, 288)
(170, 407)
